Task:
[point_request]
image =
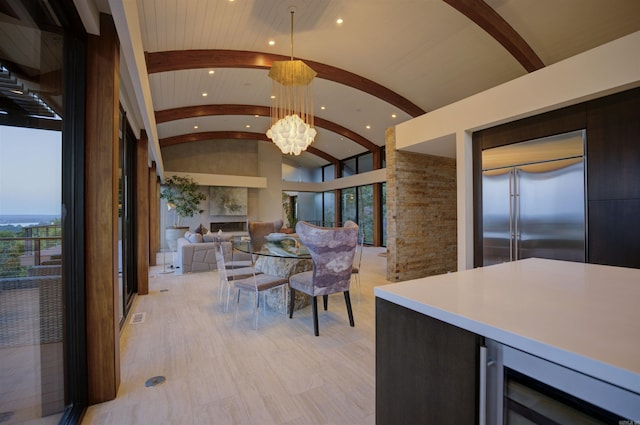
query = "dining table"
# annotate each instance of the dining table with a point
(281, 255)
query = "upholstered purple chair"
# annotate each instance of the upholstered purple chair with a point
(332, 251)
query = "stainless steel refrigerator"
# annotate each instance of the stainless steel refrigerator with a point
(533, 200)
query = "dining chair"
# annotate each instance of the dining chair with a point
(332, 251)
(357, 261)
(233, 263)
(258, 231)
(258, 284)
(226, 275)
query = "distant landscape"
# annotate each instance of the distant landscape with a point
(14, 223)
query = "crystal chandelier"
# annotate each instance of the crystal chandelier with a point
(291, 104)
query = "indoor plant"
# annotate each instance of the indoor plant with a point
(181, 194)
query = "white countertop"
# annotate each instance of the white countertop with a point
(582, 316)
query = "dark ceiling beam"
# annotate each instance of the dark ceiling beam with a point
(235, 135)
(192, 59)
(264, 111)
(489, 20)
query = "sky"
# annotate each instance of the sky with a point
(30, 171)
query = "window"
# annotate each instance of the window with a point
(41, 249)
(328, 173)
(329, 209)
(349, 167)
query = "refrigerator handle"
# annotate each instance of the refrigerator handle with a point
(511, 207)
(516, 215)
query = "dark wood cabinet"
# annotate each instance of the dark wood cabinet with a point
(612, 126)
(426, 370)
(613, 147)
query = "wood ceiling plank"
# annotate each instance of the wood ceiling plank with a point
(192, 59)
(264, 111)
(489, 20)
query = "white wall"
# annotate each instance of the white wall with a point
(610, 68)
(270, 167)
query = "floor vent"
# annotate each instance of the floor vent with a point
(156, 380)
(138, 318)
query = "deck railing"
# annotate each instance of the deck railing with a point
(19, 254)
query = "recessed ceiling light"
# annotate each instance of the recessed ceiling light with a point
(248, 126)
(257, 116)
(204, 94)
(273, 96)
(323, 107)
(272, 43)
(339, 21)
(195, 126)
(393, 116)
(368, 127)
(211, 72)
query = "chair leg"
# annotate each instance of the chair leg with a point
(235, 310)
(292, 301)
(314, 307)
(325, 301)
(226, 306)
(285, 304)
(347, 301)
(256, 311)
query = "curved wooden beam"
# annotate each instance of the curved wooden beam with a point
(235, 135)
(174, 60)
(264, 111)
(489, 20)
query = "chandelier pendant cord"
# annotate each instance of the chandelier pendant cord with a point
(292, 34)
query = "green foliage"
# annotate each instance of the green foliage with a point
(10, 252)
(289, 210)
(183, 193)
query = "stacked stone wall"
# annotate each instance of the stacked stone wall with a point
(421, 214)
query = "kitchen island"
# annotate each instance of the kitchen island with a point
(582, 317)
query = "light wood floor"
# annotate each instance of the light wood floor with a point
(218, 372)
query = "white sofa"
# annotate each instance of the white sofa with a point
(192, 256)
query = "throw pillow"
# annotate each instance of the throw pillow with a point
(209, 237)
(201, 229)
(195, 238)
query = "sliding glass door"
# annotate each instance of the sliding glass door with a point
(126, 217)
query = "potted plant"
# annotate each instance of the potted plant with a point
(182, 195)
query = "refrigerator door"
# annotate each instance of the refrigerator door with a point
(497, 222)
(551, 210)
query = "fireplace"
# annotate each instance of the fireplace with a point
(229, 226)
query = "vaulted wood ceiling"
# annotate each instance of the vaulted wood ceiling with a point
(389, 61)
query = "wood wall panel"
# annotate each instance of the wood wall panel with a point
(614, 232)
(142, 214)
(426, 370)
(543, 125)
(613, 135)
(613, 171)
(154, 214)
(101, 214)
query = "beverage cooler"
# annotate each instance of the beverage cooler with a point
(522, 389)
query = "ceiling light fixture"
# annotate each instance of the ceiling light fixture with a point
(292, 103)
